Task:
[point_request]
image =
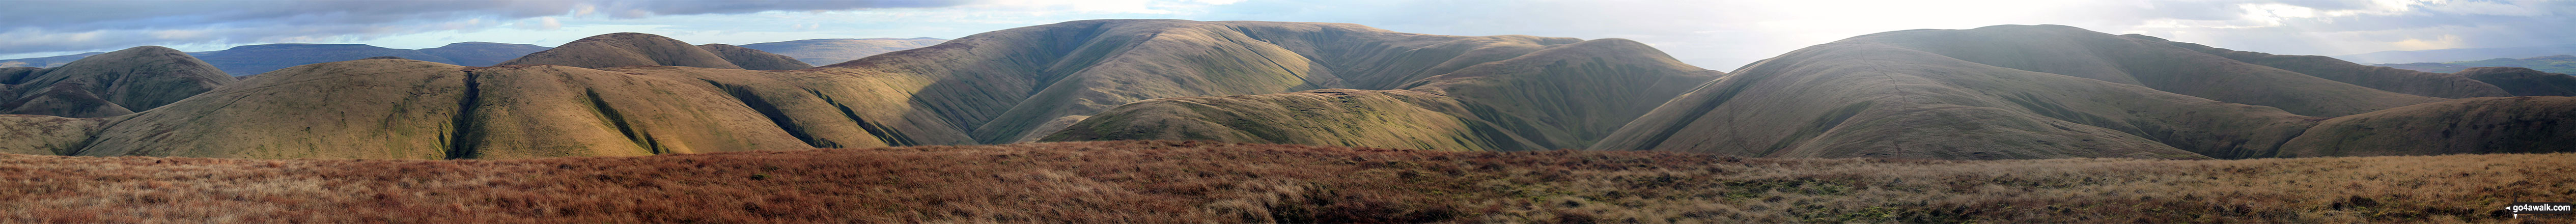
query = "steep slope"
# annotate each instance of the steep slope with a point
(1564, 96)
(64, 99)
(45, 135)
(2155, 64)
(395, 108)
(481, 53)
(1349, 117)
(2524, 81)
(1938, 94)
(2476, 125)
(2383, 78)
(625, 49)
(135, 79)
(835, 51)
(754, 59)
(254, 59)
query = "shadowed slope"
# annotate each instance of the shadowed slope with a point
(64, 99)
(2524, 81)
(1882, 96)
(835, 51)
(136, 79)
(1952, 94)
(754, 59)
(624, 49)
(1389, 118)
(2528, 124)
(46, 135)
(1564, 96)
(394, 108)
(2155, 64)
(2376, 77)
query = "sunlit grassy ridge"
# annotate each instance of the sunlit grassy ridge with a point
(1171, 182)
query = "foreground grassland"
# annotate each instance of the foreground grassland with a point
(1175, 182)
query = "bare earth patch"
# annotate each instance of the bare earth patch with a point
(1174, 181)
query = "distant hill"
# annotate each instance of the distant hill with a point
(110, 84)
(2026, 92)
(255, 59)
(754, 59)
(2460, 54)
(45, 62)
(835, 51)
(2562, 64)
(1558, 97)
(249, 60)
(2524, 81)
(481, 53)
(625, 49)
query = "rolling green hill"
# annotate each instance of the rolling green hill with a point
(1563, 96)
(1003, 86)
(111, 84)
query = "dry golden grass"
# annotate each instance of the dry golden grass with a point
(1174, 182)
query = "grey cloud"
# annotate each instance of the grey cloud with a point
(48, 26)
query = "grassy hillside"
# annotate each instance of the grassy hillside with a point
(1174, 182)
(2419, 83)
(134, 79)
(408, 109)
(625, 49)
(1877, 96)
(1344, 117)
(1001, 86)
(1562, 96)
(835, 51)
(754, 59)
(2524, 81)
(2475, 125)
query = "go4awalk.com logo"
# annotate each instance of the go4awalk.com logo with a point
(2537, 208)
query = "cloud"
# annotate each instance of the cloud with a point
(49, 26)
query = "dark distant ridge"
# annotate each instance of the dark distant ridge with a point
(2457, 54)
(2562, 64)
(2524, 81)
(835, 51)
(249, 60)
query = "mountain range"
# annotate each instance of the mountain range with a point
(2561, 64)
(255, 59)
(835, 51)
(1999, 92)
(2456, 54)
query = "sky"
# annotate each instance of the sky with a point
(1714, 34)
